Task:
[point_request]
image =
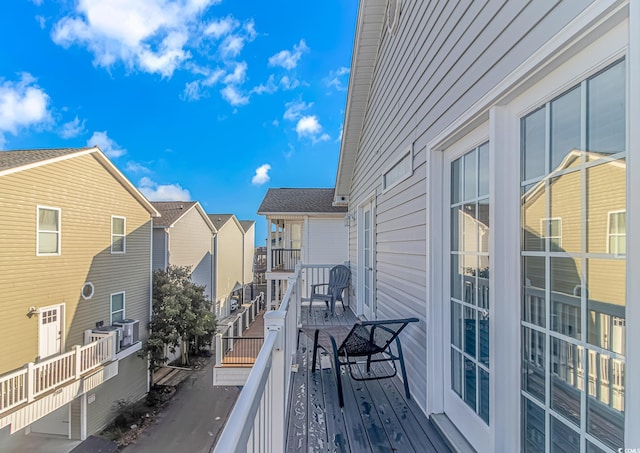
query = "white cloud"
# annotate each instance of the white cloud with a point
(231, 46)
(162, 192)
(149, 36)
(289, 59)
(262, 175)
(107, 145)
(309, 127)
(72, 128)
(135, 167)
(233, 96)
(294, 109)
(238, 75)
(41, 21)
(270, 87)
(22, 104)
(337, 79)
(287, 84)
(221, 27)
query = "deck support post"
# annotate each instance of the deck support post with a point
(275, 321)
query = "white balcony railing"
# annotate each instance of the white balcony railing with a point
(257, 422)
(232, 333)
(36, 379)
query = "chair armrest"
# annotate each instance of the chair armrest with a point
(316, 285)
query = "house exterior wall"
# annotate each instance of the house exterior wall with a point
(248, 252)
(326, 241)
(229, 269)
(88, 196)
(442, 60)
(159, 249)
(190, 244)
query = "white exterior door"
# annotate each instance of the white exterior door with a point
(467, 371)
(50, 332)
(366, 244)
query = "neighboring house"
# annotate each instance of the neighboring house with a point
(303, 226)
(486, 161)
(248, 251)
(75, 254)
(184, 236)
(228, 262)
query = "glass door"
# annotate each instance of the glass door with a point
(467, 351)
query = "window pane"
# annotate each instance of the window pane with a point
(483, 407)
(456, 181)
(563, 438)
(483, 338)
(48, 219)
(456, 372)
(117, 302)
(566, 202)
(117, 244)
(533, 363)
(533, 438)
(48, 243)
(533, 146)
(606, 203)
(533, 211)
(470, 383)
(606, 131)
(482, 216)
(118, 225)
(565, 126)
(533, 290)
(606, 301)
(566, 290)
(605, 405)
(470, 181)
(456, 277)
(457, 214)
(456, 324)
(470, 331)
(483, 170)
(469, 225)
(117, 316)
(567, 377)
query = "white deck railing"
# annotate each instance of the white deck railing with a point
(258, 420)
(228, 334)
(35, 379)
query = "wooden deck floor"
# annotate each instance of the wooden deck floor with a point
(246, 350)
(376, 417)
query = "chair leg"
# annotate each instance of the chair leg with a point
(402, 369)
(336, 365)
(315, 350)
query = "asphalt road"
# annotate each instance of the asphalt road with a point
(193, 420)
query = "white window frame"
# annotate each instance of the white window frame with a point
(617, 235)
(408, 154)
(546, 233)
(123, 236)
(111, 311)
(38, 231)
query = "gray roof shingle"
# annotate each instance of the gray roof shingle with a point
(246, 224)
(299, 201)
(219, 220)
(170, 211)
(20, 158)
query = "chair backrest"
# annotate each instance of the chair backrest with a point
(371, 337)
(339, 277)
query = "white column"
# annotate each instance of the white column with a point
(274, 321)
(83, 416)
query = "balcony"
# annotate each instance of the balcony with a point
(285, 407)
(41, 387)
(284, 260)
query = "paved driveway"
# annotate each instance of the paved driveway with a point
(193, 420)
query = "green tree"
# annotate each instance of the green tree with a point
(181, 315)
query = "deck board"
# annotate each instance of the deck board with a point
(376, 417)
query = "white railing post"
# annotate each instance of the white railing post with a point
(112, 345)
(31, 381)
(240, 319)
(77, 356)
(230, 330)
(275, 321)
(218, 349)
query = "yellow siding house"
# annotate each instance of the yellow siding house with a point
(75, 261)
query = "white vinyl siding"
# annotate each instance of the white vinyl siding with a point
(327, 241)
(118, 234)
(49, 231)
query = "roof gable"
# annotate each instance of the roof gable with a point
(299, 201)
(23, 160)
(247, 224)
(220, 220)
(172, 211)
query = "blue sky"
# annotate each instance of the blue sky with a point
(207, 100)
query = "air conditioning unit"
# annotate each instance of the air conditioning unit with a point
(106, 330)
(130, 329)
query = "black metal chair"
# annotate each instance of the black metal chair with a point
(370, 339)
(339, 277)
